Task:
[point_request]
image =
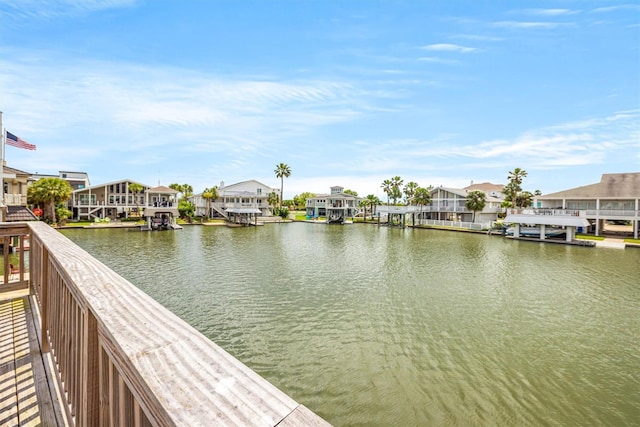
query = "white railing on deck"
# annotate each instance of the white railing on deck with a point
(123, 359)
(455, 224)
(613, 213)
(543, 211)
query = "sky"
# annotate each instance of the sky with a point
(345, 92)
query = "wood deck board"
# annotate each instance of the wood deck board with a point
(8, 397)
(25, 395)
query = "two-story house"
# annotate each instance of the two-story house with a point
(111, 200)
(243, 198)
(449, 204)
(336, 206)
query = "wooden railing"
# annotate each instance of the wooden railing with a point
(14, 238)
(122, 359)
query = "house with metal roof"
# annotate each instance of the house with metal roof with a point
(615, 198)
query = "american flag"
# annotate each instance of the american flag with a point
(16, 141)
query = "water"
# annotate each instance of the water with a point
(373, 326)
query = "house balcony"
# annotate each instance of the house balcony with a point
(112, 355)
(15, 199)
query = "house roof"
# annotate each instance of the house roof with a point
(19, 213)
(611, 185)
(335, 196)
(487, 187)
(462, 192)
(92, 187)
(8, 169)
(244, 182)
(162, 189)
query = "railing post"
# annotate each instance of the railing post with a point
(44, 298)
(89, 371)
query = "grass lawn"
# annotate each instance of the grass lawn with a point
(588, 237)
(13, 259)
(78, 223)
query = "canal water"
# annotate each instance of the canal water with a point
(372, 326)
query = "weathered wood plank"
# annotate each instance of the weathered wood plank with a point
(48, 378)
(47, 411)
(8, 398)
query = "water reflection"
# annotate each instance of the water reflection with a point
(377, 326)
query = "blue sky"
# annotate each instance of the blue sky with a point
(346, 92)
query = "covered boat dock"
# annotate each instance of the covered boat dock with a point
(570, 220)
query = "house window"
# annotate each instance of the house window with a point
(259, 191)
(64, 175)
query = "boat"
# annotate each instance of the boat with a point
(535, 231)
(161, 221)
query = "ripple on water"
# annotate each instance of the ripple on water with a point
(378, 326)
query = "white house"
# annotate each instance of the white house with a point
(246, 197)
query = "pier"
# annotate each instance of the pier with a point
(111, 355)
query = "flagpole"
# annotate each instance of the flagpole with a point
(2, 171)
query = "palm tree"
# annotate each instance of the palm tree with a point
(515, 179)
(422, 197)
(210, 194)
(525, 199)
(476, 201)
(136, 188)
(410, 191)
(363, 204)
(48, 192)
(282, 171)
(372, 201)
(185, 190)
(387, 188)
(272, 199)
(396, 183)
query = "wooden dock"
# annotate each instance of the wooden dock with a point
(27, 395)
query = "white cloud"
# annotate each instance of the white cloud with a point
(438, 60)
(449, 47)
(568, 144)
(616, 8)
(529, 24)
(551, 12)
